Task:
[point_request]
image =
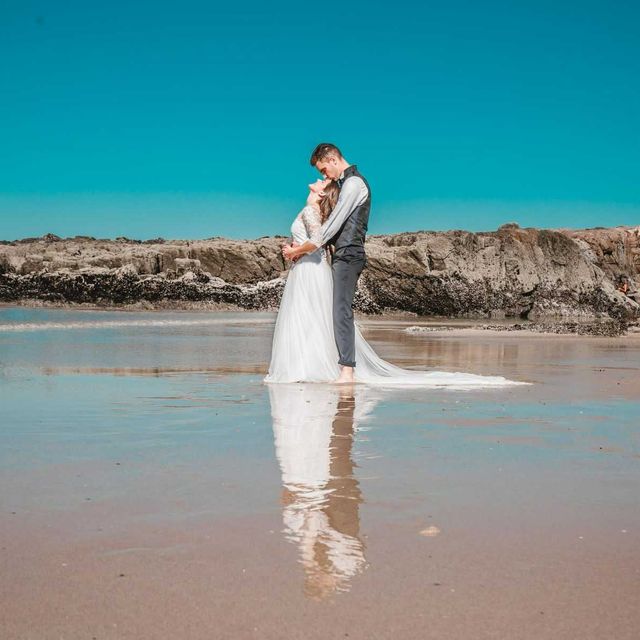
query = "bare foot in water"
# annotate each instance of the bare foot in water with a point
(345, 377)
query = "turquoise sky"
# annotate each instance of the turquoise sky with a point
(196, 119)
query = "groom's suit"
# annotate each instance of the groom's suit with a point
(346, 231)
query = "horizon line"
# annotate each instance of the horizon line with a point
(52, 237)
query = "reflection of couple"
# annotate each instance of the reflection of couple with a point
(315, 337)
(314, 428)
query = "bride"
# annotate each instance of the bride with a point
(304, 349)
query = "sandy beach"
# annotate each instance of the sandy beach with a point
(153, 487)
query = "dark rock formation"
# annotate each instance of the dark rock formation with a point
(610, 328)
(522, 273)
(512, 272)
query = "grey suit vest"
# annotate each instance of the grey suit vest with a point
(349, 241)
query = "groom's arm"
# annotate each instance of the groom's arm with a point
(353, 193)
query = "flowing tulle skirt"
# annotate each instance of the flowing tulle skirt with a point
(304, 348)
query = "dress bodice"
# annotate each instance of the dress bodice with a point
(298, 230)
(308, 226)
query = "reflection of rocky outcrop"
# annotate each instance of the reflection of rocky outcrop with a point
(512, 272)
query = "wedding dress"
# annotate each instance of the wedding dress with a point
(304, 349)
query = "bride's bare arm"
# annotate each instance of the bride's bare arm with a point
(293, 253)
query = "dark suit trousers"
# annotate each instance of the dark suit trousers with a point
(346, 271)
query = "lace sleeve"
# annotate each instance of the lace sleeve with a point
(312, 224)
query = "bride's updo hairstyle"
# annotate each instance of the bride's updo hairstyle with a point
(328, 201)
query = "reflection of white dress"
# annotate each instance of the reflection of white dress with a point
(304, 349)
(305, 419)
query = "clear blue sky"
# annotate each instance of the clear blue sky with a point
(196, 119)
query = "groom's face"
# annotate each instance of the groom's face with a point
(329, 167)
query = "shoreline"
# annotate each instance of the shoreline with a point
(415, 324)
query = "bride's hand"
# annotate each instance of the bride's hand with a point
(289, 252)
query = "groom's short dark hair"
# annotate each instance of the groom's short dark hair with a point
(323, 150)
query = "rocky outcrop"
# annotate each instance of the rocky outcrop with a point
(616, 250)
(512, 272)
(234, 261)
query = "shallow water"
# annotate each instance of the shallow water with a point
(140, 448)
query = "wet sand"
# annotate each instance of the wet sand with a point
(152, 487)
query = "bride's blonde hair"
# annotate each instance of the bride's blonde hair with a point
(328, 200)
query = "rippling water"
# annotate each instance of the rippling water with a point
(121, 431)
(113, 324)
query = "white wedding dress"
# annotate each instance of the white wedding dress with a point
(304, 349)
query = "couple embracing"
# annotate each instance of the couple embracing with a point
(315, 338)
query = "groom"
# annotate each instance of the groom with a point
(345, 231)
